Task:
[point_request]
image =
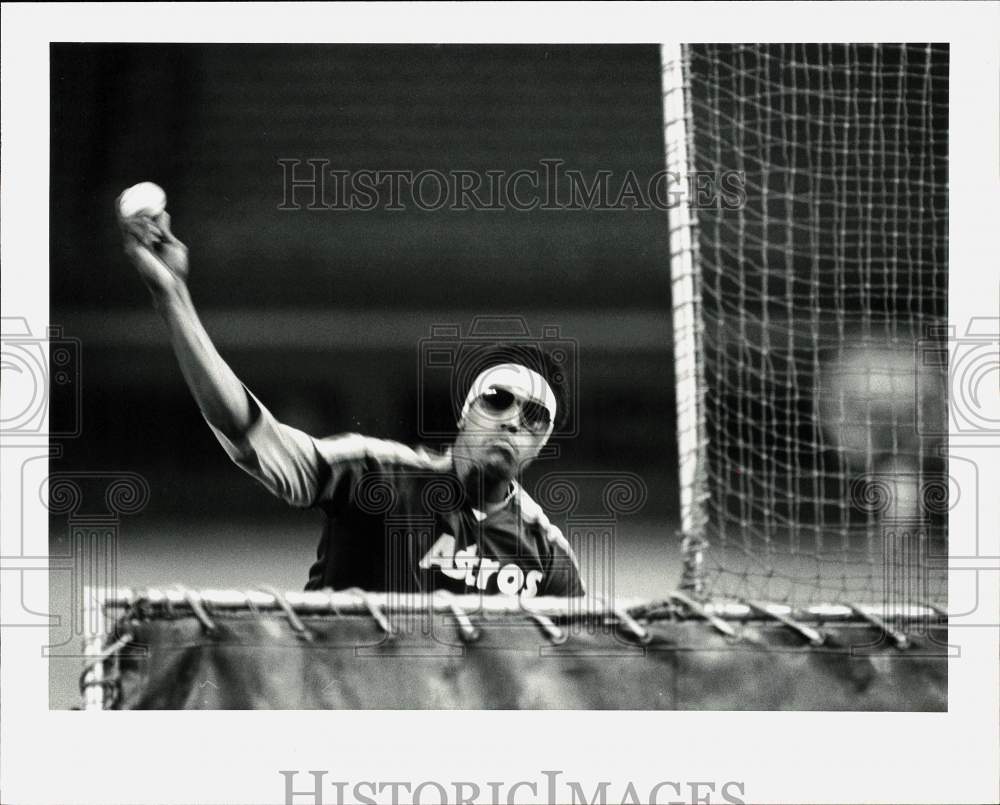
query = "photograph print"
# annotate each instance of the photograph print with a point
(577, 377)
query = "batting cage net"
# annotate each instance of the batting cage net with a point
(810, 307)
(212, 649)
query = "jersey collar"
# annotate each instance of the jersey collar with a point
(492, 508)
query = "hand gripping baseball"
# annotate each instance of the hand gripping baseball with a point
(162, 262)
(160, 258)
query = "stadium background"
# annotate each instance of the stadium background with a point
(321, 312)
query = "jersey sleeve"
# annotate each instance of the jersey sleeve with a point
(282, 458)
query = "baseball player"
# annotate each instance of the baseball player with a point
(396, 518)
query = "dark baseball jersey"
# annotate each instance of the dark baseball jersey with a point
(399, 519)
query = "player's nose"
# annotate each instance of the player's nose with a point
(512, 422)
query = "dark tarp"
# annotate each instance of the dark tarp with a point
(258, 661)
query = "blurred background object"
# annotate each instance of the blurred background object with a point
(872, 396)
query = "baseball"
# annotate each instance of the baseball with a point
(144, 198)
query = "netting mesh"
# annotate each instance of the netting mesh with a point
(817, 467)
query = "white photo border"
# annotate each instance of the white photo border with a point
(217, 757)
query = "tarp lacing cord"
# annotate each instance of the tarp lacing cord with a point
(553, 632)
(293, 617)
(659, 610)
(898, 637)
(940, 612)
(466, 629)
(374, 609)
(626, 620)
(194, 601)
(336, 610)
(251, 606)
(717, 622)
(109, 683)
(642, 635)
(815, 637)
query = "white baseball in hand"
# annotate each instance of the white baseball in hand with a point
(145, 198)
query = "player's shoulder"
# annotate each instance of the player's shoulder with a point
(346, 447)
(534, 517)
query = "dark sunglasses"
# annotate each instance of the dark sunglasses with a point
(498, 401)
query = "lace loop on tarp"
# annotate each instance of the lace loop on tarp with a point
(897, 637)
(373, 608)
(466, 628)
(193, 600)
(553, 632)
(814, 636)
(294, 620)
(717, 623)
(623, 617)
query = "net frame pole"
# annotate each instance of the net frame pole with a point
(95, 634)
(687, 321)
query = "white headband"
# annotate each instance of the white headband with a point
(514, 377)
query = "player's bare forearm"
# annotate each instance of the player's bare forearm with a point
(162, 262)
(217, 390)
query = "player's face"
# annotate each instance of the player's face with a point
(504, 429)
